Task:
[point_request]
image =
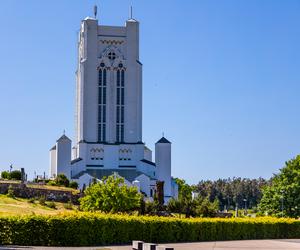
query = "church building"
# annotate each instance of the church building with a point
(108, 137)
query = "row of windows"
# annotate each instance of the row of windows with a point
(96, 158)
(101, 159)
(124, 159)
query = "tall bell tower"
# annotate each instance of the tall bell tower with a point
(109, 83)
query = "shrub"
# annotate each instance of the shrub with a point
(42, 200)
(281, 198)
(15, 175)
(110, 195)
(51, 204)
(68, 205)
(11, 192)
(31, 200)
(51, 183)
(207, 208)
(83, 229)
(5, 175)
(62, 180)
(152, 207)
(73, 184)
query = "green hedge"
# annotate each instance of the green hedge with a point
(86, 229)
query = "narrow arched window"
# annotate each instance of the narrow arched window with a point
(102, 103)
(120, 87)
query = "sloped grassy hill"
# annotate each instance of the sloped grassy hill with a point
(19, 206)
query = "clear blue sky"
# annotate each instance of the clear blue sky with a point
(221, 79)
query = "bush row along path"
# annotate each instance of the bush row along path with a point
(214, 245)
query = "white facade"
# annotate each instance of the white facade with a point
(109, 114)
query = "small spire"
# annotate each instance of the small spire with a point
(95, 11)
(131, 12)
(163, 134)
(64, 132)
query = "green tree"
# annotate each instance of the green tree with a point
(174, 206)
(15, 175)
(232, 192)
(110, 195)
(184, 190)
(281, 196)
(205, 208)
(73, 184)
(5, 175)
(62, 180)
(185, 204)
(10, 192)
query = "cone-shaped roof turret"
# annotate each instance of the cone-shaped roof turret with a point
(163, 140)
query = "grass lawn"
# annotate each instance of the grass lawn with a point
(19, 206)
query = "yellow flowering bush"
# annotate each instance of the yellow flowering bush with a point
(86, 229)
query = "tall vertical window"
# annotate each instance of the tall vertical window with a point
(120, 103)
(102, 103)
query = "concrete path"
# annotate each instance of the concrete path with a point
(215, 245)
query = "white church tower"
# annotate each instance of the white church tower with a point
(109, 114)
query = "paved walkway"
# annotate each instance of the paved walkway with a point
(215, 245)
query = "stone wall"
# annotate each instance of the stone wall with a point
(23, 191)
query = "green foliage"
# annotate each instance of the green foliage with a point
(90, 229)
(51, 183)
(42, 200)
(31, 200)
(196, 208)
(62, 180)
(51, 204)
(205, 208)
(152, 207)
(184, 190)
(231, 192)
(174, 206)
(185, 204)
(281, 197)
(110, 195)
(68, 205)
(11, 192)
(5, 175)
(73, 184)
(15, 175)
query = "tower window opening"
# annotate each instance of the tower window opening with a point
(102, 103)
(120, 84)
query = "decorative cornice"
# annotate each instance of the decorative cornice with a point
(115, 42)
